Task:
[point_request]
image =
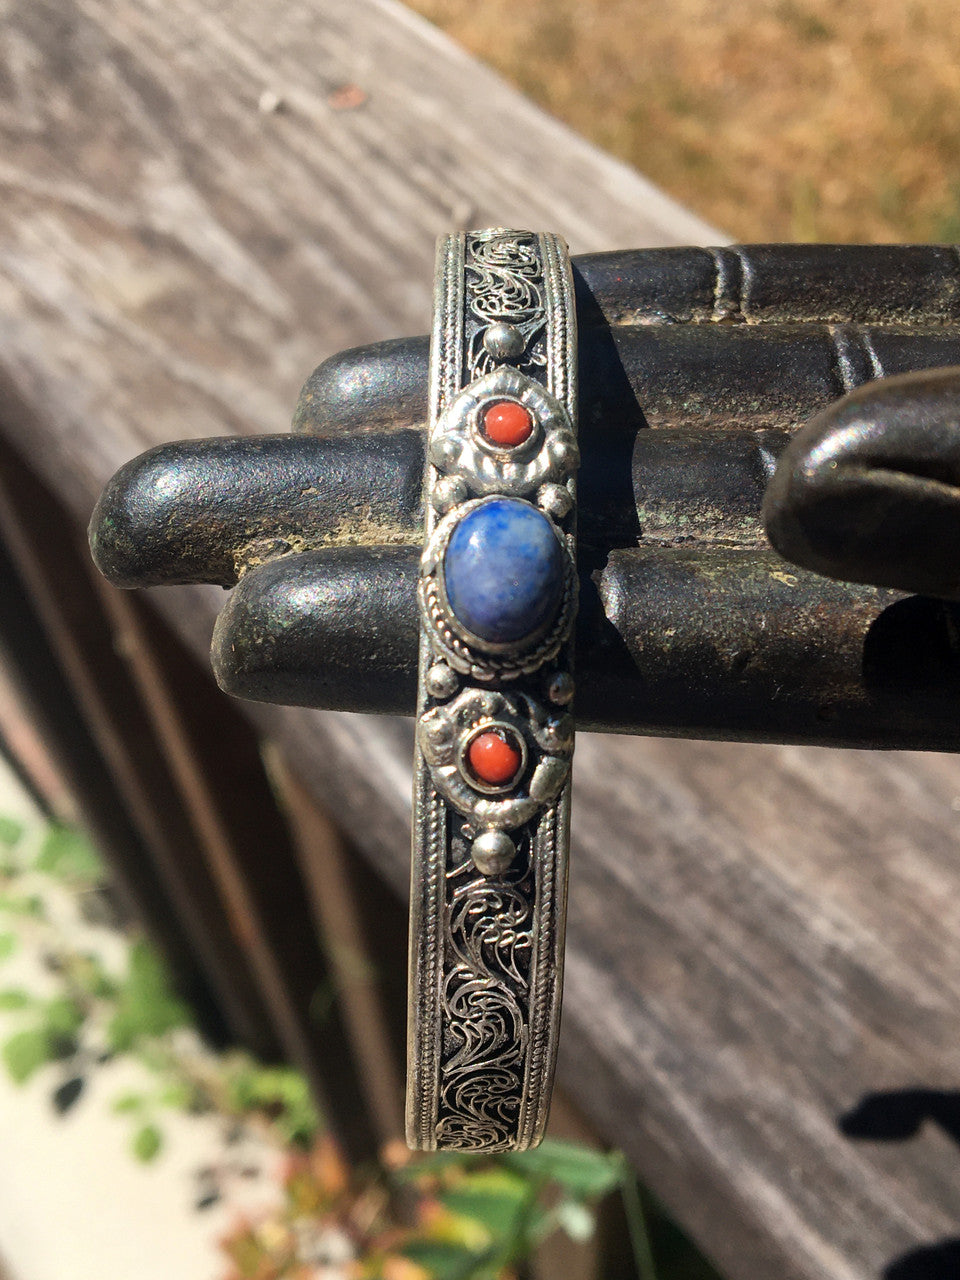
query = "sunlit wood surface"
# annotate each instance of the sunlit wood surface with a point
(199, 203)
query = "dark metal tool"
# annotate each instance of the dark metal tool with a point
(696, 369)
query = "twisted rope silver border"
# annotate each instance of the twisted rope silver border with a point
(486, 952)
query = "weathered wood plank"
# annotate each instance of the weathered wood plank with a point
(31, 655)
(152, 214)
(57, 575)
(759, 937)
(325, 860)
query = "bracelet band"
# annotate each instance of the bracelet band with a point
(494, 734)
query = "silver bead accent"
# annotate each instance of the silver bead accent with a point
(504, 341)
(449, 492)
(444, 452)
(564, 452)
(493, 853)
(555, 500)
(561, 688)
(442, 681)
(558, 734)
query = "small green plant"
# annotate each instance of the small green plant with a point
(97, 1015)
(49, 1026)
(445, 1217)
(448, 1216)
(497, 1211)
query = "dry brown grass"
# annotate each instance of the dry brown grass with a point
(774, 119)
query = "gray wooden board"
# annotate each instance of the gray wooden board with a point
(759, 937)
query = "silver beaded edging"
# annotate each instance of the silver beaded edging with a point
(489, 871)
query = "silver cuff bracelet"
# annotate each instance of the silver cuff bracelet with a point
(498, 596)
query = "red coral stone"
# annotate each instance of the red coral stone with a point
(493, 758)
(507, 423)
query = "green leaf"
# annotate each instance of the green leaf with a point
(147, 1142)
(25, 1053)
(443, 1260)
(63, 1017)
(495, 1198)
(8, 945)
(573, 1217)
(579, 1170)
(18, 905)
(11, 832)
(68, 854)
(241, 1085)
(178, 1094)
(91, 976)
(15, 998)
(147, 1006)
(280, 1091)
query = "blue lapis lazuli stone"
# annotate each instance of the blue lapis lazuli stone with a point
(503, 571)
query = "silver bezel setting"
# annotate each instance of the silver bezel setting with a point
(463, 762)
(459, 447)
(444, 733)
(471, 654)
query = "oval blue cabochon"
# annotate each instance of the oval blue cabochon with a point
(504, 570)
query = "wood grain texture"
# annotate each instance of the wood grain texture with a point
(759, 938)
(153, 220)
(761, 941)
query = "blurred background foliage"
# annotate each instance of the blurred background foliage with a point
(833, 120)
(104, 993)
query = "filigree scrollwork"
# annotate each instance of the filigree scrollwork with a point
(504, 275)
(505, 279)
(484, 994)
